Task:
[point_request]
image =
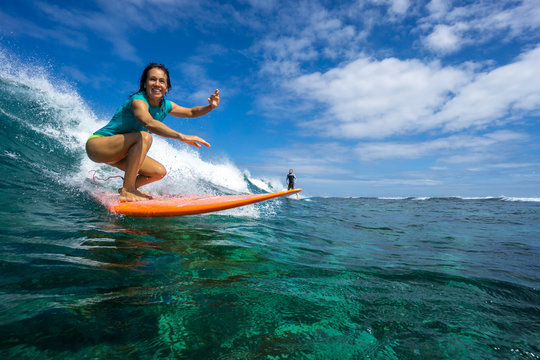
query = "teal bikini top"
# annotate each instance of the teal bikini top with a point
(123, 121)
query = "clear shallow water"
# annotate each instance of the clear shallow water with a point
(326, 278)
(323, 278)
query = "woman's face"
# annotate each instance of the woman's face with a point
(156, 84)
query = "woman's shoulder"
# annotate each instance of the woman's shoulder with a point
(138, 95)
(167, 105)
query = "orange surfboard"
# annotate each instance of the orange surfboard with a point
(178, 205)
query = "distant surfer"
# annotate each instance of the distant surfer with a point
(291, 181)
(126, 139)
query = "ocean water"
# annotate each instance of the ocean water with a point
(315, 278)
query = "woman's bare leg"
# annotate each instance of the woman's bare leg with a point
(150, 171)
(127, 152)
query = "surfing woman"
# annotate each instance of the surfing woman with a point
(126, 139)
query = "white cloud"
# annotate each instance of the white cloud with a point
(518, 19)
(445, 38)
(476, 147)
(476, 23)
(438, 8)
(395, 7)
(514, 165)
(307, 34)
(399, 7)
(467, 158)
(492, 95)
(290, 48)
(373, 99)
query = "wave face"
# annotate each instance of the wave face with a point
(45, 123)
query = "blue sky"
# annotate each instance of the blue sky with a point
(360, 98)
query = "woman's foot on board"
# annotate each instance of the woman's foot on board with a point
(135, 195)
(138, 192)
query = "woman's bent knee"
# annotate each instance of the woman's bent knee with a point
(155, 171)
(161, 172)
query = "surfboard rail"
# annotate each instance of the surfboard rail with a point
(178, 205)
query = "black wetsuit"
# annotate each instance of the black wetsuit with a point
(291, 179)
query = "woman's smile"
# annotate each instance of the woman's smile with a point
(156, 85)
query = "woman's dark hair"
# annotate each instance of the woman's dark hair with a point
(144, 75)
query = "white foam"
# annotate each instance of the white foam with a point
(525, 199)
(260, 184)
(502, 198)
(478, 197)
(11, 155)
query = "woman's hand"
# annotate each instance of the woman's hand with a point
(194, 140)
(196, 111)
(213, 100)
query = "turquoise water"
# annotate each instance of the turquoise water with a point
(319, 278)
